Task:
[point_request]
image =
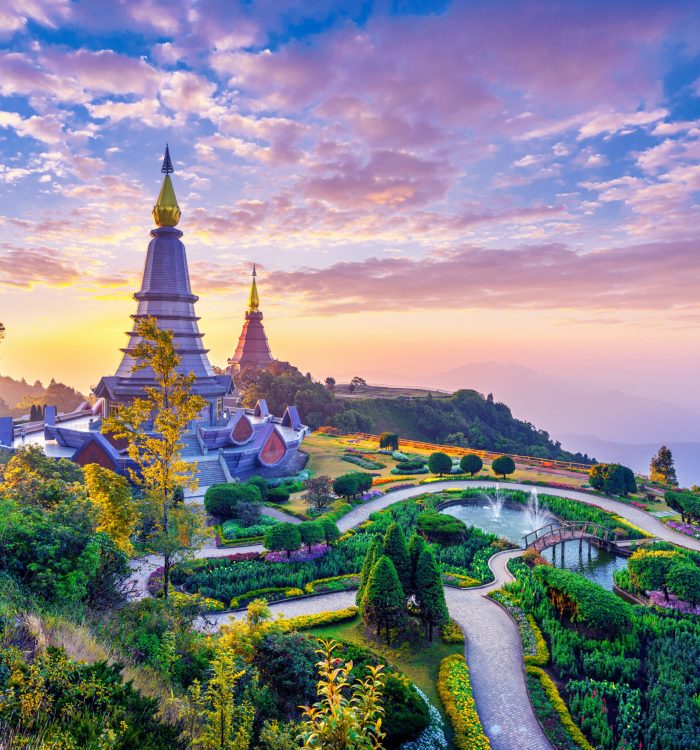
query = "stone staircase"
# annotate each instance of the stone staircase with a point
(190, 445)
(210, 472)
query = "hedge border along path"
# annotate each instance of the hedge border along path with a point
(494, 650)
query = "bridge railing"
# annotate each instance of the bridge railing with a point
(575, 530)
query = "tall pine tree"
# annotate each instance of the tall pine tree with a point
(662, 468)
(384, 604)
(430, 593)
(374, 552)
(415, 546)
(396, 549)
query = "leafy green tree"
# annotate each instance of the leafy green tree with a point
(471, 463)
(330, 383)
(374, 552)
(614, 479)
(648, 569)
(441, 528)
(396, 549)
(662, 468)
(440, 463)
(283, 537)
(154, 427)
(502, 466)
(430, 593)
(318, 492)
(389, 440)
(111, 495)
(384, 604)
(215, 718)
(331, 532)
(312, 532)
(348, 714)
(351, 484)
(683, 579)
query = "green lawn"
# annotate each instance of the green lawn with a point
(418, 660)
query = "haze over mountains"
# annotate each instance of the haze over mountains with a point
(608, 424)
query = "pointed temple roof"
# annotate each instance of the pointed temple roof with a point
(166, 295)
(253, 349)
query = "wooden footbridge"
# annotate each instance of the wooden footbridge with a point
(553, 533)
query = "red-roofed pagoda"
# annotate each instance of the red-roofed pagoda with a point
(252, 351)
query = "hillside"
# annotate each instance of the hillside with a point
(17, 396)
(464, 418)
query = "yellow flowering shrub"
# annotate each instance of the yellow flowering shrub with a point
(454, 688)
(182, 600)
(452, 633)
(304, 622)
(559, 706)
(541, 657)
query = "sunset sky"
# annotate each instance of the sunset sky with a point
(422, 185)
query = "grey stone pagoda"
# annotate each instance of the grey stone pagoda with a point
(166, 295)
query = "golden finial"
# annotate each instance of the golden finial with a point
(166, 212)
(253, 300)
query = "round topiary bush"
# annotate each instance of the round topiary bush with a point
(261, 484)
(277, 495)
(222, 499)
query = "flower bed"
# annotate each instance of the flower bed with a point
(182, 600)
(658, 599)
(454, 688)
(300, 555)
(452, 633)
(232, 530)
(388, 480)
(362, 461)
(552, 713)
(460, 581)
(305, 622)
(685, 528)
(272, 594)
(433, 736)
(365, 497)
(335, 583)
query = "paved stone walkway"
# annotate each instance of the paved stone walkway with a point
(493, 650)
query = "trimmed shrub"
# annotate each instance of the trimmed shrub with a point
(277, 495)
(502, 466)
(261, 484)
(305, 622)
(439, 527)
(613, 479)
(222, 499)
(471, 463)
(284, 537)
(389, 440)
(440, 463)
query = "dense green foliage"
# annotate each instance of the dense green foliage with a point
(613, 479)
(384, 602)
(466, 418)
(686, 503)
(284, 537)
(439, 527)
(351, 484)
(471, 464)
(583, 601)
(233, 529)
(224, 500)
(633, 688)
(502, 466)
(439, 463)
(661, 468)
(394, 546)
(430, 593)
(389, 440)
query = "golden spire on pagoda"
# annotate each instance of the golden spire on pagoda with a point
(253, 300)
(166, 212)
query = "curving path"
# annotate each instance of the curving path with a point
(493, 650)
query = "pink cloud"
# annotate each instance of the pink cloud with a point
(655, 276)
(26, 267)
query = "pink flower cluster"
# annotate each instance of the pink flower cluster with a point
(301, 555)
(685, 528)
(371, 495)
(658, 599)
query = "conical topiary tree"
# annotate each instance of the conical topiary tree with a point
(384, 604)
(415, 546)
(396, 549)
(374, 552)
(430, 593)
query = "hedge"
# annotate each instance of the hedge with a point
(534, 646)
(455, 692)
(270, 594)
(559, 706)
(362, 462)
(305, 622)
(335, 583)
(182, 601)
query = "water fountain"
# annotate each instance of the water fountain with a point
(536, 518)
(495, 502)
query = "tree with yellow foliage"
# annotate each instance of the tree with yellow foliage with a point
(153, 428)
(117, 513)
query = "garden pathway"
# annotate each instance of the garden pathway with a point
(493, 650)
